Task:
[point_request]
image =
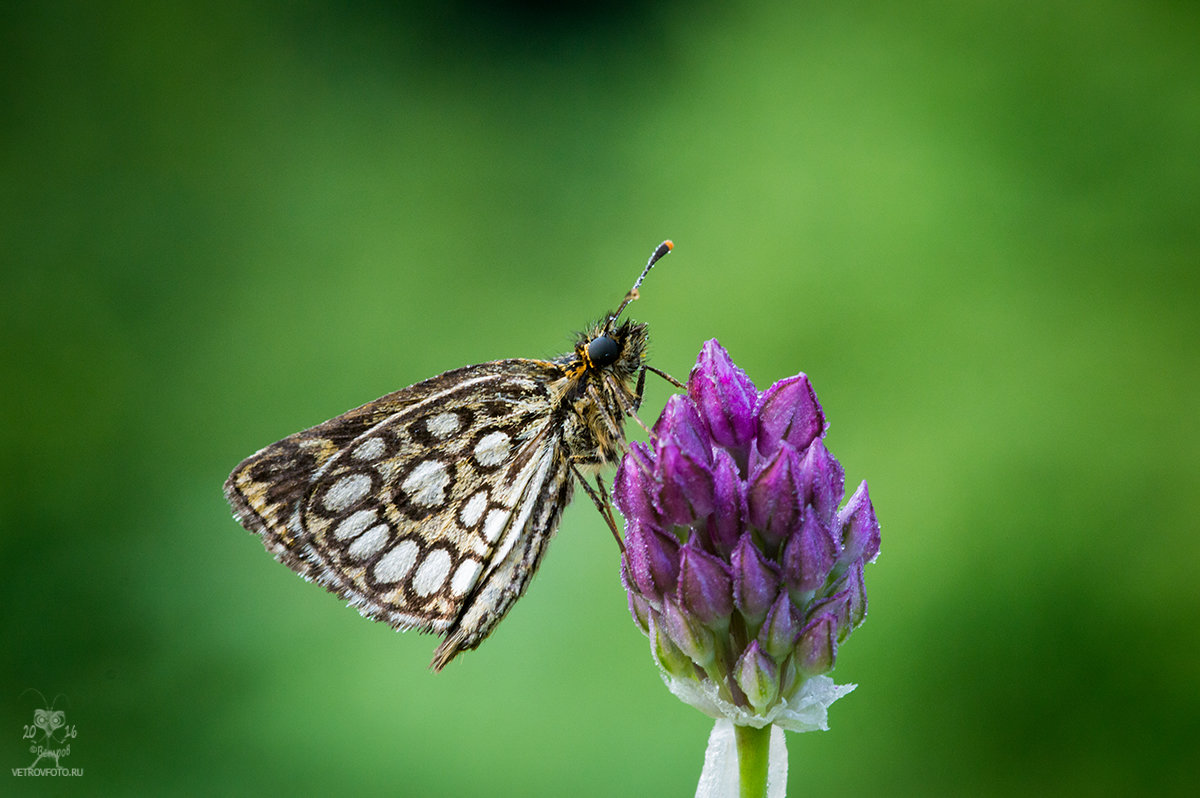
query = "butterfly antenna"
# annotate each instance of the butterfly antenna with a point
(659, 252)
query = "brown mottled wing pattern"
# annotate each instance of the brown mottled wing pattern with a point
(428, 508)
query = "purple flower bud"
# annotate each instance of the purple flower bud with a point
(755, 581)
(851, 582)
(758, 676)
(747, 481)
(773, 499)
(808, 557)
(817, 648)
(837, 605)
(687, 490)
(726, 398)
(789, 411)
(684, 453)
(781, 629)
(728, 519)
(638, 607)
(687, 632)
(704, 587)
(636, 488)
(791, 679)
(680, 423)
(651, 560)
(858, 527)
(822, 481)
(668, 655)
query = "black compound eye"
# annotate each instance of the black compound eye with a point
(603, 351)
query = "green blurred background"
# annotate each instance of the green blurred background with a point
(976, 226)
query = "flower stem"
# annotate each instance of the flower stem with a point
(753, 749)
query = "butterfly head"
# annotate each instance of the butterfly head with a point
(618, 350)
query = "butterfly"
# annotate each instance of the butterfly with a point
(430, 508)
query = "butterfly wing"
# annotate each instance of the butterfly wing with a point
(428, 508)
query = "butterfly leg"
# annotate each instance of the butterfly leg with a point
(604, 498)
(641, 387)
(601, 501)
(621, 394)
(666, 377)
(628, 408)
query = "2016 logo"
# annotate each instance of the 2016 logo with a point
(49, 738)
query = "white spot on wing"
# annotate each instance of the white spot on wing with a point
(494, 525)
(464, 576)
(369, 449)
(346, 491)
(395, 565)
(370, 542)
(354, 524)
(442, 424)
(426, 484)
(473, 509)
(432, 573)
(492, 448)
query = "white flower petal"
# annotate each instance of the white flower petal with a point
(719, 778)
(808, 709)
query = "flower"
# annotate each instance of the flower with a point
(739, 565)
